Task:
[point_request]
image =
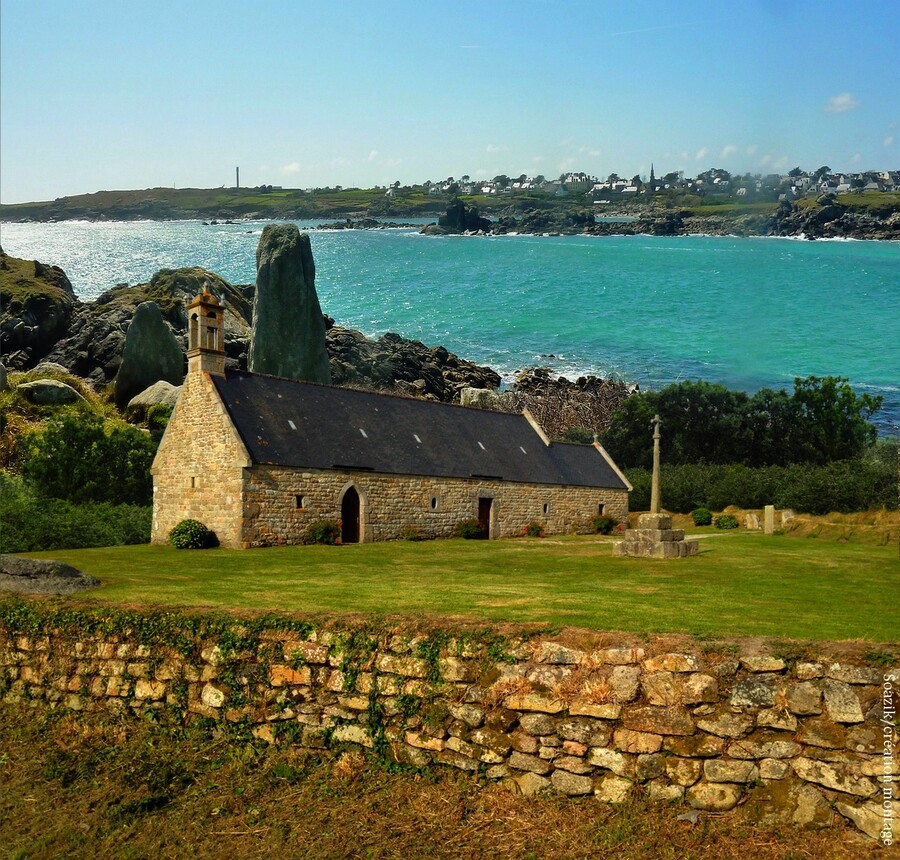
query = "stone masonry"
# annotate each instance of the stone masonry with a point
(391, 503)
(199, 467)
(655, 538)
(791, 743)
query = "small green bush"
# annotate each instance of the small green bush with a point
(468, 529)
(605, 524)
(411, 533)
(702, 516)
(324, 531)
(192, 534)
(725, 521)
(534, 529)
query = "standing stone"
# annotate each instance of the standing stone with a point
(151, 353)
(288, 337)
(769, 517)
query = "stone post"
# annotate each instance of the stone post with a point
(654, 487)
(769, 527)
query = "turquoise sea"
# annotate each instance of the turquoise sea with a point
(745, 312)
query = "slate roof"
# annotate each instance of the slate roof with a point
(300, 424)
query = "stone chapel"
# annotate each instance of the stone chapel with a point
(258, 458)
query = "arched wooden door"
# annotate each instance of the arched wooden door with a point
(350, 516)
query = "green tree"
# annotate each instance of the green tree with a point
(823, 421)
(82, 458)
(834, 419)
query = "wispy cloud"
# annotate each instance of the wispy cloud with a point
(751, 150)
(889, 140)
(841, 103)
(293, 167)
(856, 158)
(494, 147)
(728, 151)
(373, 154)
(584, 150)
(701, 154)
(677, 26)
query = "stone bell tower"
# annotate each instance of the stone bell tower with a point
(206, 341)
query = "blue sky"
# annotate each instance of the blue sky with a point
(103, 95)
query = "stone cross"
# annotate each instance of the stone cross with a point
(654, 487)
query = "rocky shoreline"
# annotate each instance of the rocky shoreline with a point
(43, 323)
(829, 219)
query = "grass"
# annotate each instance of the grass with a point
(95, 786)
(740, 585)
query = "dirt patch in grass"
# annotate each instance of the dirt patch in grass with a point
(97, 787)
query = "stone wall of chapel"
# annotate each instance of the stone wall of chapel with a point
(279, 503)
(199, 466)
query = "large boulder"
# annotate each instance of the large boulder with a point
(49, 392)
(288, 329)
(31, 576)
(161, 392)
(151, 353)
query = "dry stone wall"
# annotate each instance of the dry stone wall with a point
(801, 741)
(391, 503)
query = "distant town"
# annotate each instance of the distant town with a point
(714, 182)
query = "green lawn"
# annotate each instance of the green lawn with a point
(739, 585)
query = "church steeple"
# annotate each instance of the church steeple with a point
(652, 178)
(206, 346)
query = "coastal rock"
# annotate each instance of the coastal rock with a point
(4, 378)
(396, 364)
(459, 218)
(151, 353)
(288, 336)
(36, 302)
(94, 341)
(31, 576)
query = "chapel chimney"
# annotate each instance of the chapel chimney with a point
(206, 345)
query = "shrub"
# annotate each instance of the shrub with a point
(468, 529)
(605, 524)
(702, 516)
(324, 531)
(845, 487)
(192, 534)
(83, 458)
(29, 523)
(534, 529)
(411, 533)
(725, 521)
